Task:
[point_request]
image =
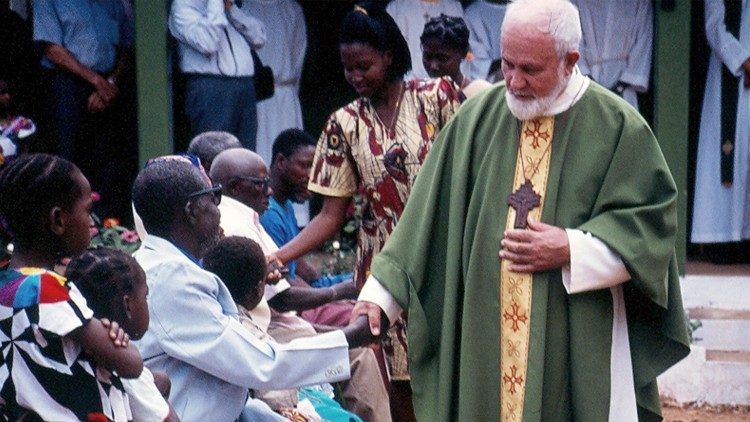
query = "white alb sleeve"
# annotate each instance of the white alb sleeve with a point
(593, 265)
(374, 292)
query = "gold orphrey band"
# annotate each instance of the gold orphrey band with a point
(516, 288)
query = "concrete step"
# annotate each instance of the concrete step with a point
(730, 293)
(717, 371)
(726, 340)
(698, 380)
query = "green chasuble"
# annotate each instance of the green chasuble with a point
(608, 178)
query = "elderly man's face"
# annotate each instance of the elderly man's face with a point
(251, 187)
(202, 206)
(534, 73)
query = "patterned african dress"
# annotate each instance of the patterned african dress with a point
(357, 153)
(41, 369)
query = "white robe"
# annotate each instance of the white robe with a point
(484, 20)
(722, 214)
(616, 44)
(410, 16)
(284, 52)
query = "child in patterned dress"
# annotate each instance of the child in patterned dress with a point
(53, 346)
(114, 286)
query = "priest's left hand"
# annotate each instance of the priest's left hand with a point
(541, 247)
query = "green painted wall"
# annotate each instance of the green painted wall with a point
(671, 84)
(152, 75)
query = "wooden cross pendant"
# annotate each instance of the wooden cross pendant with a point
(523, 200)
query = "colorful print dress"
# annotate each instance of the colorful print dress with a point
(357, 153)
(40, 369)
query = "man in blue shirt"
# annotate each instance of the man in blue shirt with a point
(293, 152)
(86, 50)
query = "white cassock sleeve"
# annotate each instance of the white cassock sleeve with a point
(726, 46)
(593, 265)
(638, 68)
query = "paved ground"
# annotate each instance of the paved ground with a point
(704, 414)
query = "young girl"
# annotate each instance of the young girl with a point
(445, 43)
(114, 286)
(55, 344)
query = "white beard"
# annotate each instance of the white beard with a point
(529, 109)
(537, 107)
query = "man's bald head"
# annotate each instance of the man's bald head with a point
(245, 177)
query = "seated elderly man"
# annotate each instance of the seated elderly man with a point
(245, 178)
(194, 333)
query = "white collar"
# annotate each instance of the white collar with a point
(577, 86)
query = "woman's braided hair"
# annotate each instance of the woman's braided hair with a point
(451, 31)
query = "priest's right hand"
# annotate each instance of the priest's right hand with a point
(375, 315)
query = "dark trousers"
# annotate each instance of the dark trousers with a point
(222, 103)
(103, 145)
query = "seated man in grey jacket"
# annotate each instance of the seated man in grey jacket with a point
(194, 333)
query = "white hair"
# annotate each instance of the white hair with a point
(558, 18)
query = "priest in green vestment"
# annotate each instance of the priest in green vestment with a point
(535, 258)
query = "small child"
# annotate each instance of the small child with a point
(56, 347)
(241, 265)
(13, 128)
(114, 286)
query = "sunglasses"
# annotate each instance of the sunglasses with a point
(214, 190)
(261, 182)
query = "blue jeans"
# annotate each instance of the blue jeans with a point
(224, 103)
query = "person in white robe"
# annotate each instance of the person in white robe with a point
(411, 16)
(721, 213)
(484, 18)
(285, 54)
(617, 43)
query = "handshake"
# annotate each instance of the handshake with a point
(365, 324)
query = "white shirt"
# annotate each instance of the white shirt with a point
(212, 41)
(285, 54)
(146, 402)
